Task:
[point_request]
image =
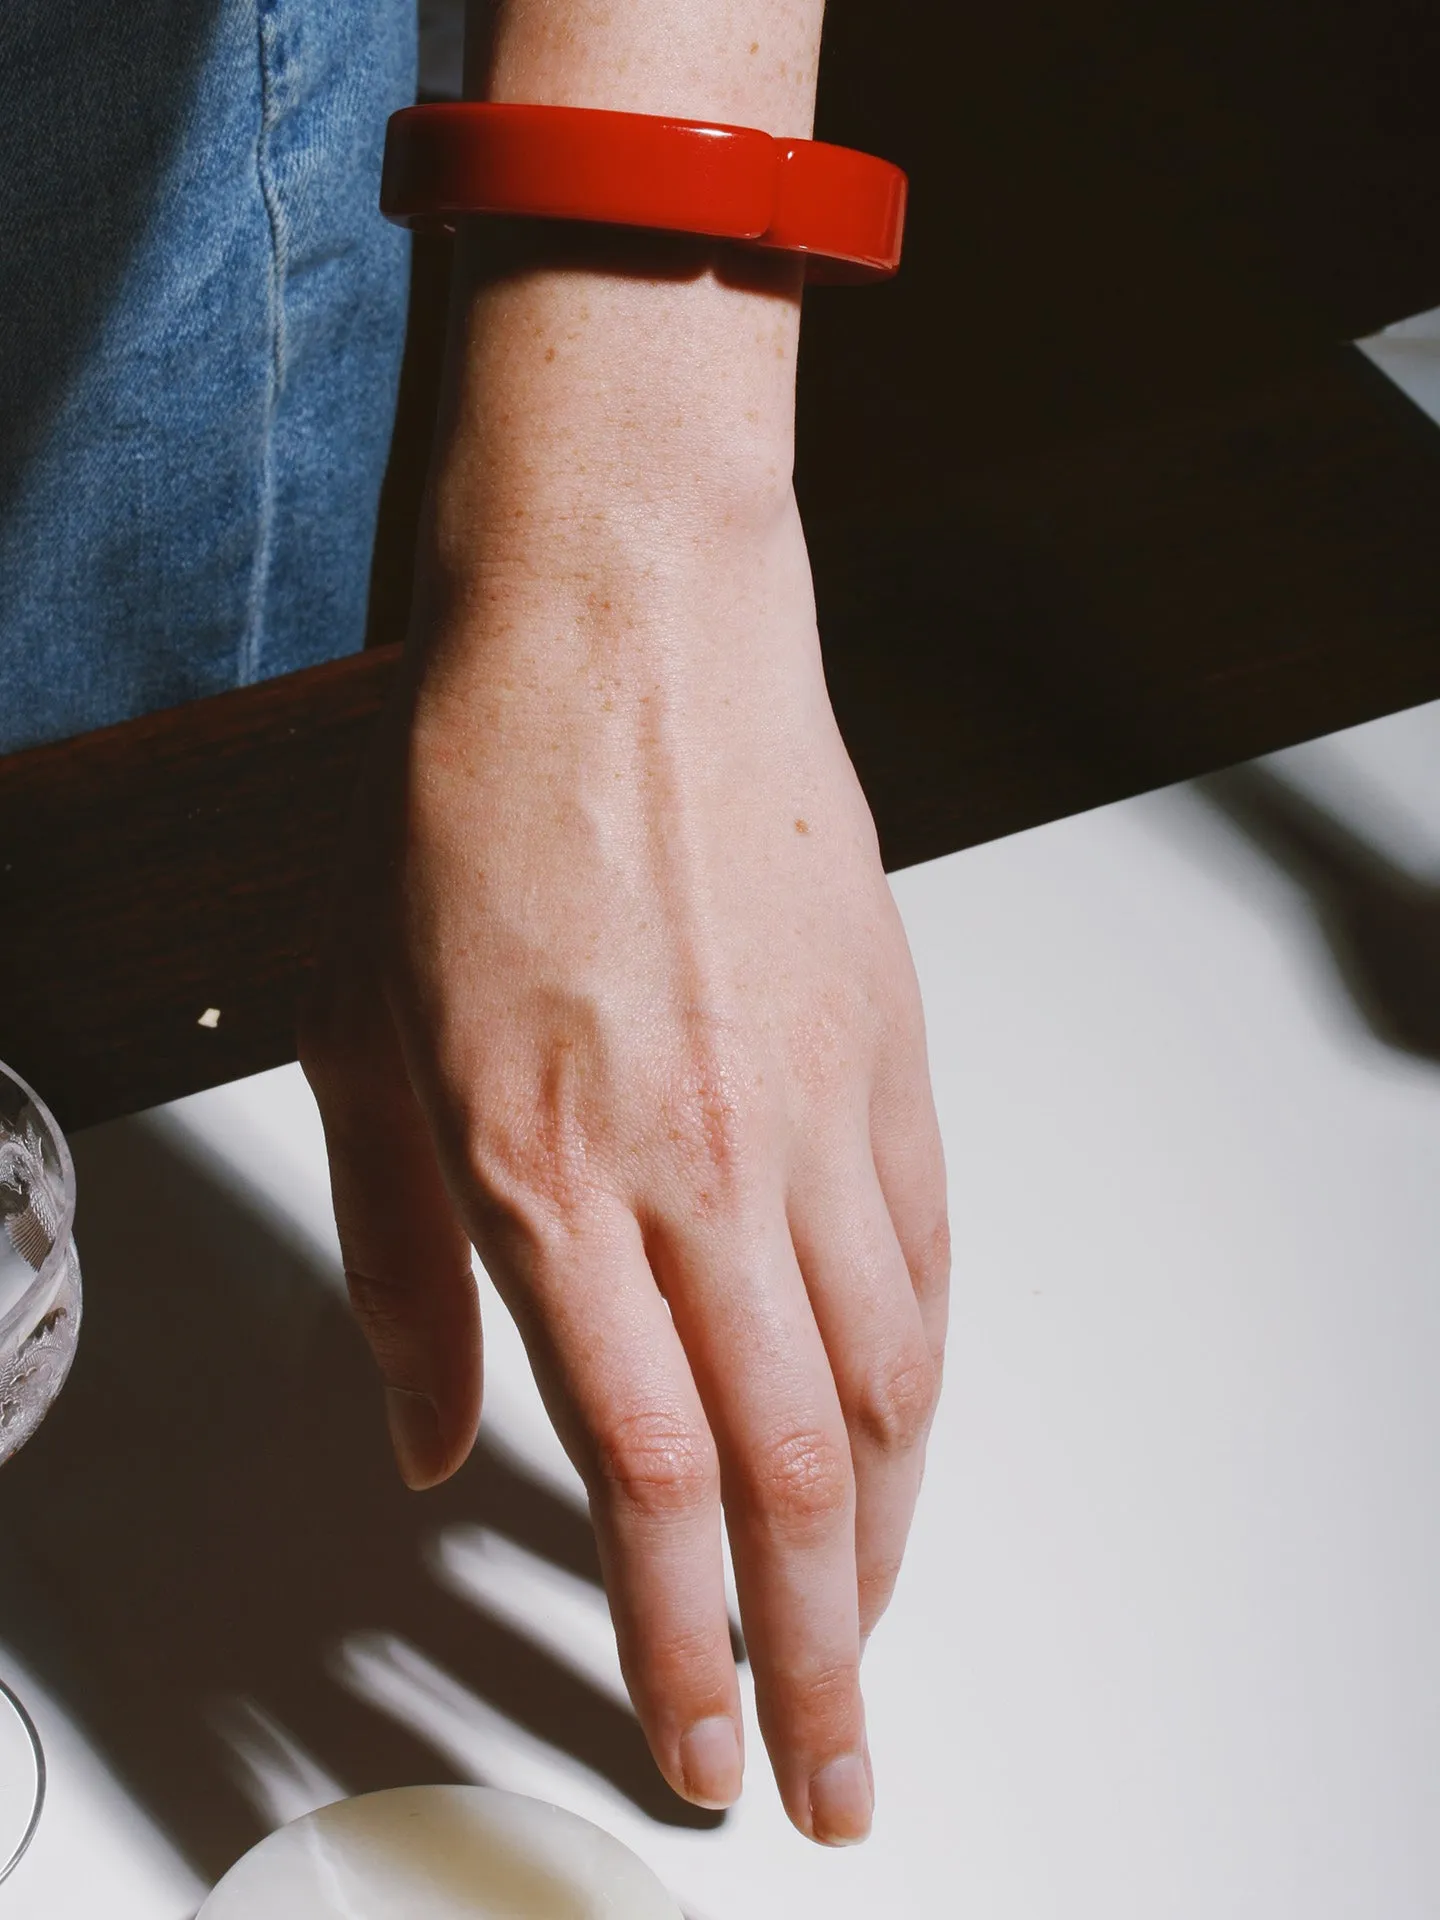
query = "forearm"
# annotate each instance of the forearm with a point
(743, 62)
(600, 380)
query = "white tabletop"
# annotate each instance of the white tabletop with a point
(1165, 1643)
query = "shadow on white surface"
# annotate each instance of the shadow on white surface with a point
(209, 1532)
(1380, 920)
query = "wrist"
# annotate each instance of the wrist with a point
(604, 386)
(611, 389)
(491, 572)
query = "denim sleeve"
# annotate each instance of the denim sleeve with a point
(202, 318)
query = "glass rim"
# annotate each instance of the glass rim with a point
(9, 1698)
(49, 1268)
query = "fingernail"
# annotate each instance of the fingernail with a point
(415, 1434)
(710, 1761)
(841, 1802)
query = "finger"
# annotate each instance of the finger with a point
(618, 1388)
(741, 1310)
(407, 1258)
(909, 1159)
(869, 1319)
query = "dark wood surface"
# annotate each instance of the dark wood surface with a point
(157, 869)
(1097, 499)
(1113, 207)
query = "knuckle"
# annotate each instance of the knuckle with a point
(931, 1270)
(876, 1589)
(826, 1701)
(658, 1465)
(535, 1169)
(689, 1661)
(802, 1482)
(702, 1114)
(383, 1309)
(824, 1041)
(894, 1408)
(937, 1368)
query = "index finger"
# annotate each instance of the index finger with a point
(619, 1390)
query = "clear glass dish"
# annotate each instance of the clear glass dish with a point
(39, 1325)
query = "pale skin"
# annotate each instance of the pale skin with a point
(619, 993)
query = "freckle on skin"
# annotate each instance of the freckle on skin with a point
(801, 827)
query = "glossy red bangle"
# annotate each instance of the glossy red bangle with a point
(843, 210)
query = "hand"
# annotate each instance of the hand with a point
(619, 993)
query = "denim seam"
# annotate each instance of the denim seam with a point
(266, 27)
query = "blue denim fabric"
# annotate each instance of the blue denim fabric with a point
(202, 318)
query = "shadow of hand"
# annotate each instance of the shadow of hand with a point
(1382, 924)
(211, 1516)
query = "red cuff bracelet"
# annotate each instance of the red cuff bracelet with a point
(843, 210)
